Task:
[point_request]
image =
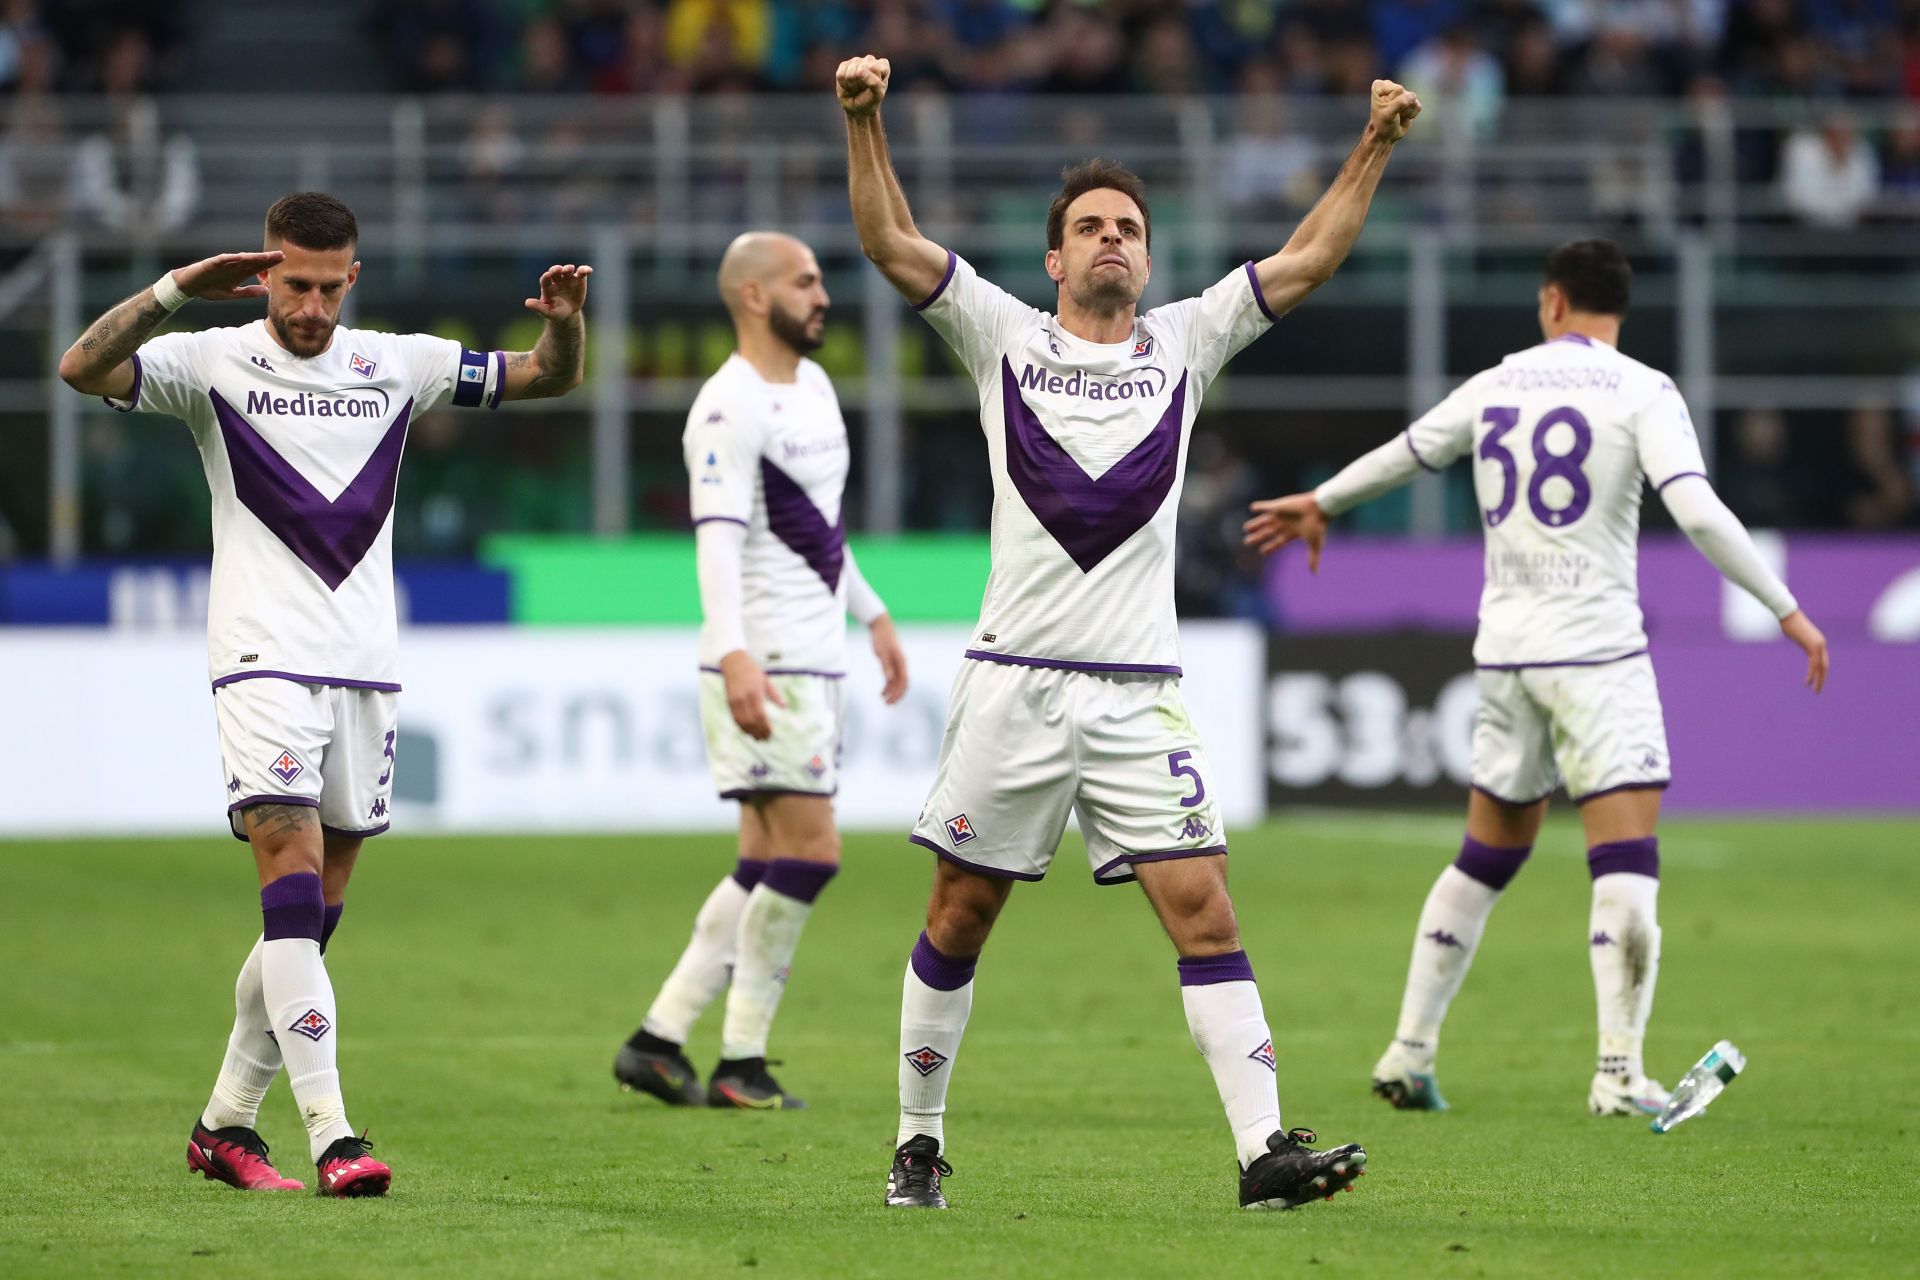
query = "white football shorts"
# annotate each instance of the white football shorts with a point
(803, 755)
(1025, 746)
(284, 742)
(1595, 728)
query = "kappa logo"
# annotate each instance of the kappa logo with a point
(959, 830)
(286, 768)
(1142, 349)
(926, 1059)
(379, 809)
(759, 771)
(1264, 1056)
(1195, 830)
(262, 362)
(312, 1024)
(233, 787)
(1440, 937)
(1602, 939)
(365, 367)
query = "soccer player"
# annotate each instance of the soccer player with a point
(300, 423)
(767, 455)
(1563, 436)
(1070, 699)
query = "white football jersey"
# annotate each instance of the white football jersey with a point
(303, 457)
(773, 456)
(1563, 435)
(1087, 442)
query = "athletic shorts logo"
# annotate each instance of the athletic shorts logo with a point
(816, 766)
(959, 830)
(1195, 830)
(365, 367)
(926, 1060)
(1264, 1056)
(312, 1024)
(759, 771)
(379, 809)
(286, 768)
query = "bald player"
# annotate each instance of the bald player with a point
(767, 454)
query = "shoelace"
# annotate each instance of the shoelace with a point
(1301, 1137)
(247, 1140)
(919, 1176)
(338, 1150)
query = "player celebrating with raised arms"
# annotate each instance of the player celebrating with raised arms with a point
(1564, 435)
(300, 423)
(1070, 698)
(767, 457)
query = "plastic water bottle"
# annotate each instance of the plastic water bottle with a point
(1702, 1085)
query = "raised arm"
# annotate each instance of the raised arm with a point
(912, 263)
(558, 360)
(1326, 235)
(100, 362)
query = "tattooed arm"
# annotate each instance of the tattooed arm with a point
(100, 364)
(556, 363)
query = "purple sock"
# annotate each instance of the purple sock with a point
(330, 923)
(1492, 867)
(1205, 971)
(938, 970)
(798, 879)
(1640, 857)
(747, 872)
(293, 907)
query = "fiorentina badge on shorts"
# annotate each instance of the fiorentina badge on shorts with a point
(1264, 1056)
(959, 830)
(926, 1059)
(286, 768)
(312, 1024)
(361, 365)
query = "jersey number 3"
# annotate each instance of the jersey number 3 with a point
(1547, 465)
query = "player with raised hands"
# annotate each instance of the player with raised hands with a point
(1563, 435)
(1070, 700)
(300, 422)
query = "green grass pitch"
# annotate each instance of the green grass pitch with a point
(484, 985)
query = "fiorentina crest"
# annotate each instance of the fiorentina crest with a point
(959, 830)
(312, 1024)
(286, 768)
(926, 1060)
(1264, 1056)
(365, 367)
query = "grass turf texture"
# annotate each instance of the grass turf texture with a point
(484, 985)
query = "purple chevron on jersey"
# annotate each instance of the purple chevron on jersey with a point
(798, 523)
(1089, 518)
(330, 537)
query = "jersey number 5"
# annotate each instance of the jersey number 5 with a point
(1546, 465)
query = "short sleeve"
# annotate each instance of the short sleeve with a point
(978, 319)
(723, 463)
(1444, 433)
(1218, 324)
(445, 371)
(1664, 434)
(167, 376)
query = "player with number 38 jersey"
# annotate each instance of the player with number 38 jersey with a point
(1562, 437)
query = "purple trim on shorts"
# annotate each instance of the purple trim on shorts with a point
(1164, 855)
(293, 907)
(1636, 857)
(1657, 784)
(1577, 662)
(499, 379)
(336, 682)
(133, 401)
(747, 872)
(939, 970)
(1492, 866)
(797, 878)
(1678, 475)
(783, 671)
(1511, 804)
(1018, 660)
(1206, 971)
(1253, 278)
(363, 835)
(721, 520)
(249, 801)
(953, 260)
(329, 922)
(743, 793)
(977, 868)
(1407, 435)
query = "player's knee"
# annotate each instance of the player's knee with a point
(958, 923)
(1204, 923)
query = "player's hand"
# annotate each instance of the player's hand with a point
(224, 277)
(1799, 628)
(1394, 108)
(563, 292)
(893, 659)
(862, 84)
(1278, 521)
(749, 690)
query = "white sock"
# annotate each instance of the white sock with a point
(770, 927)
(934, 1005)
(1624, 948)
(253, 1056)
(1444, 943)
(298, 997)
(701, 973)
(1230, 1029)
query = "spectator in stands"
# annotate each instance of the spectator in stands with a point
(546, 60)
(443, 46)
(1401, 26)
(23, 44)
(720, 43)
(1829, 176)
(1167, 64)
(1900, 169)
(1459, 80)
(1759, 482)
(1088, 50)
(36, 165)
(135, 179)
(1881, 492)
(1269, 169)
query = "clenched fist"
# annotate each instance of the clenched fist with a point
(1394, 108)
(862, 83)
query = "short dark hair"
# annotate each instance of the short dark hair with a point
(312, 220)
(1594, 275)
(1095, 175)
